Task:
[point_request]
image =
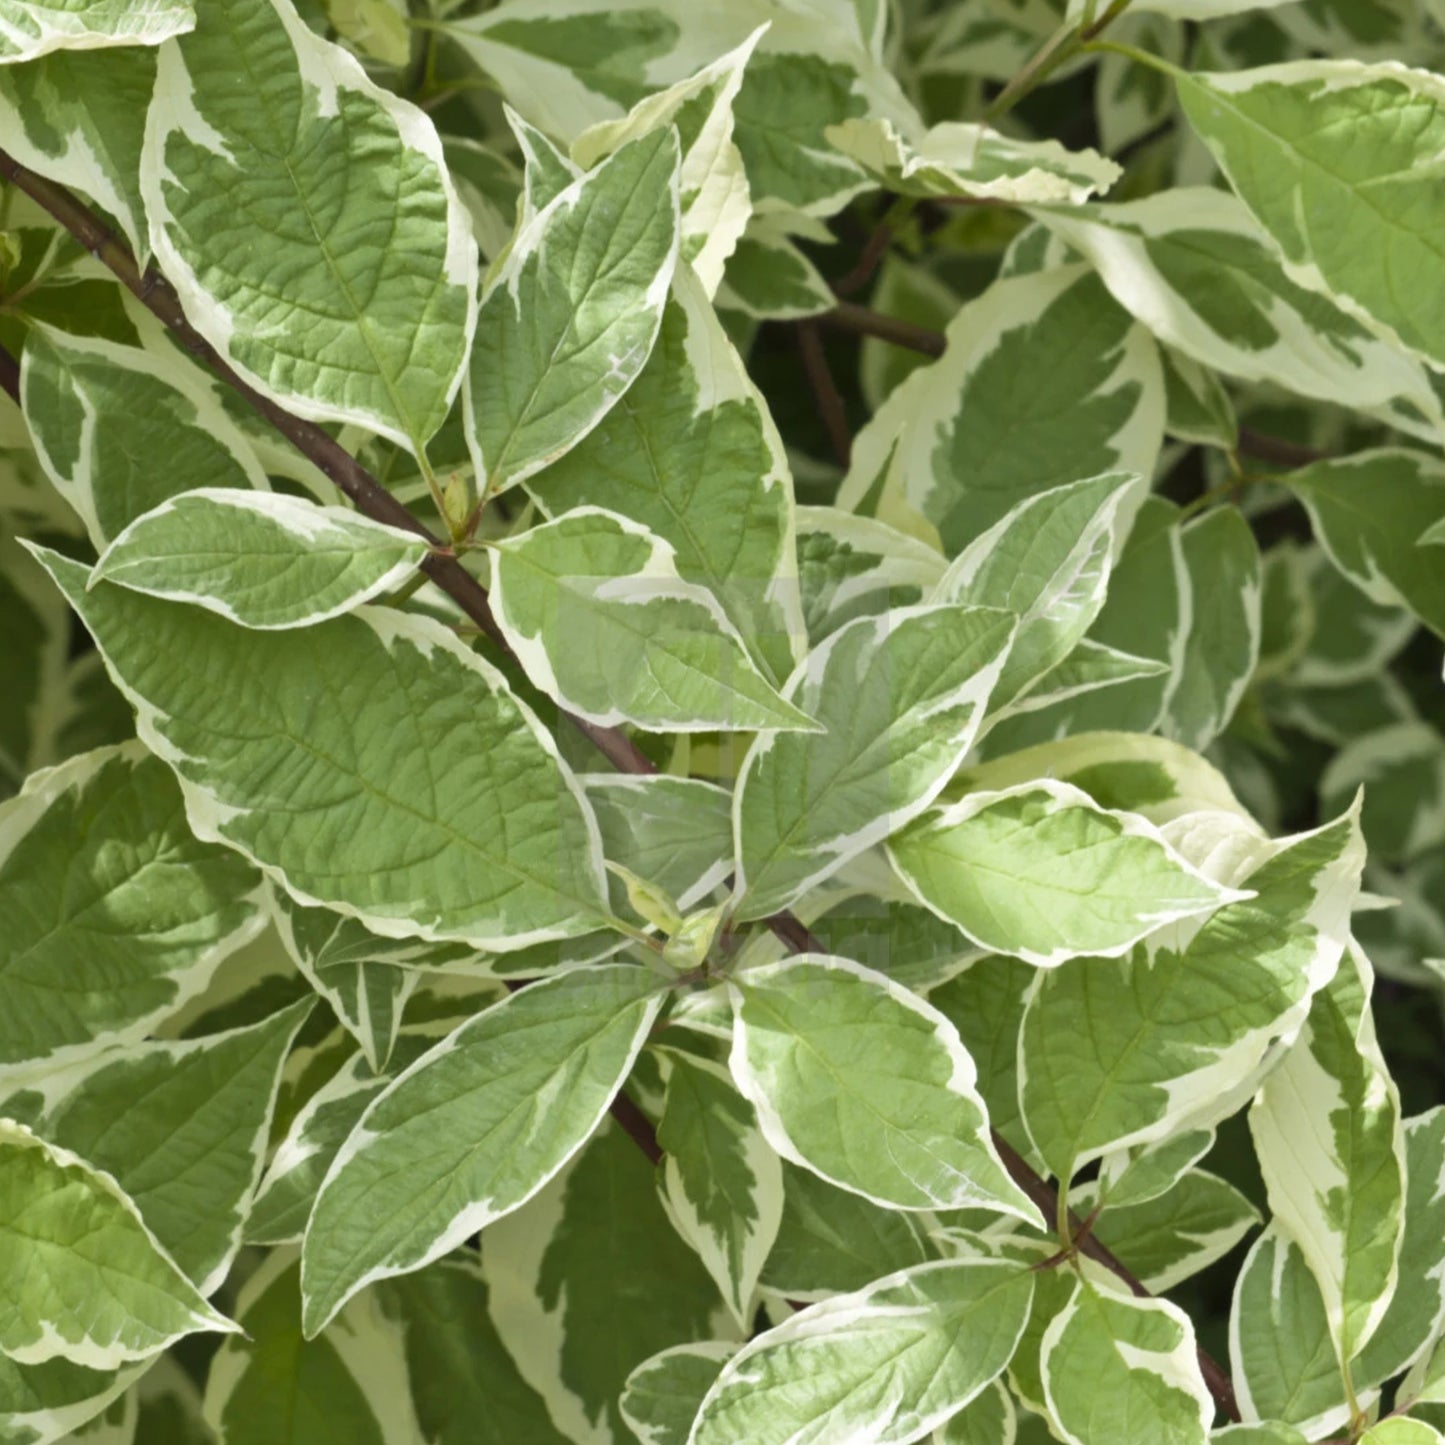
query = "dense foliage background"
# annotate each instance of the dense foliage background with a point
(664, 660)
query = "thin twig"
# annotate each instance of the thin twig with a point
(1277, 451)
(849, 316)
(831, 410)
(375, 501)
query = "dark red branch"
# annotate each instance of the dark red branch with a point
(831, 410)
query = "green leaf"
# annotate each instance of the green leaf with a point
(44, 1403)
(1369, 513)
(958, 158)
(1130, 1050)
(473, 1129)
(322, 1125)
(1222, 647)
(359, 308)
(831, 1241)
(988, 1419)
(892, 937)
(1173, 1236)
(1282, 1355)
(851, 566)
(901, 697)
(1270, 1434)
(181, 1127)
(554, 1268)
(366, 979)
(101, 414)
(1047, 562)
(1123, 1369)
(1040, 872)
(768, 278)
(465, 1387)
(260, 559)
(600, 618)
(275, 1387)
(1348, 221)
(83, 1278)
(1326, 1128)
(677, 833)
(985, 1003)
(571, 316)
(1416, 1312)
(898, 1121)
(691, 453)
(722, 1185)
(112, 915)
(471, 878)
(886, 1364)
(37, 27)
(662, 1395)
(1400, 1431)
(1198, 409)
(1354, 638)
(714, 200)
(79, 118)
(1194, 266)
(961, 442)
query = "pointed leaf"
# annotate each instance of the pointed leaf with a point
(722, 1184)
(900, 1122)
(81, 1277)
(1369, 513)
(601, 619)
(1416, 1311)
(101, 414)
(1181, 1231)
(961, 159)
(465, 1387)
(571, 317)
(473, 1129)
(712, 183)
(357, 310)
(1196, 268)
(112, 915)
(182, 1127)
(552, 1270)
(1123, 1369)
(79, 118)
(1348, 222)
(1281, 1352)
(36, 27)
(901, 697)
(1123, 1051)
(887, 1364)
(945, 446)
(261, 559)
(472, 878)
(661, 1397)
(1041, 872)
(1048, 562)
(691, 452)
(1326, 1128)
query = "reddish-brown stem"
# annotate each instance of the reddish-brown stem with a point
(1277, 451)
(825, 392)
(873, 252)
(375, 501)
